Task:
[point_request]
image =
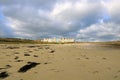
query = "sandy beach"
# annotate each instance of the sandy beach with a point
(59, 62)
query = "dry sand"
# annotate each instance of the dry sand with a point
(60, 61)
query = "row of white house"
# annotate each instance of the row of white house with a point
(58, 40)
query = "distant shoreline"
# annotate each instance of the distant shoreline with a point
(28, 41)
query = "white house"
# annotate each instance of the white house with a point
(58, 40)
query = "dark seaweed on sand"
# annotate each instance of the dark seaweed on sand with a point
(4, 74)
(28, 66)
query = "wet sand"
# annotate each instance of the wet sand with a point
(60, 62)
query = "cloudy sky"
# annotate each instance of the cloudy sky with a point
(84, 20)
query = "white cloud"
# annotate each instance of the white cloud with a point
(100, 32)
(91, 20)
(113, 8)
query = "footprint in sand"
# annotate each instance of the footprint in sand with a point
(95, 72)
(16, 53)
(78, 58)
(8, 66)
(35, 55)
(109, 68)
(19, 60)
(16, 57)
(116, 76)
(104, 58)
(26, 54)
(118, 71)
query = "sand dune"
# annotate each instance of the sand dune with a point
(59, 62)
